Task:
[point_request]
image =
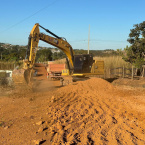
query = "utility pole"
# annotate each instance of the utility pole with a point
(88, 38)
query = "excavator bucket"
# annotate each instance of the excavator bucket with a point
(22, 77)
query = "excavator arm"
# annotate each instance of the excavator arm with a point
(24, 75)
(56, 41)
(81, 65)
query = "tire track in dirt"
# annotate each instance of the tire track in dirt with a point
(84, 113)
(91, 112)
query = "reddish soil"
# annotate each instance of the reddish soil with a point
(87, 112)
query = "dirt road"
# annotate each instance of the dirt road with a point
(90, 112)
(41, 83)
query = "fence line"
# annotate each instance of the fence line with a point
(7, 66)
(124, 72)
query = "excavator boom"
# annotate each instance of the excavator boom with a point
(80, 65)
(58, 42)
(33, 41)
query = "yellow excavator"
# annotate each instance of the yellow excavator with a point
(78, 65)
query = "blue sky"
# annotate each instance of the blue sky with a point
(110, 21)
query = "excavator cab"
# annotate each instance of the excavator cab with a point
(83, 63)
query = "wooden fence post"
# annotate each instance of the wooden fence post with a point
(123, 71)
(104, 74)
(109, 73)
(115, 72)
(143, 66)
(143, 72)
(132, 73)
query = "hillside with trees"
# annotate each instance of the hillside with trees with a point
(135, 53)
(13, 53)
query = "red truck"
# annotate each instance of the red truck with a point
(55, 70)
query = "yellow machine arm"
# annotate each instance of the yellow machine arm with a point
(56, 41)
(81, 65)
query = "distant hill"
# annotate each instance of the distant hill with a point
(9, 52)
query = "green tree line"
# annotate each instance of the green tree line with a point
(135, 53)
(17, 53)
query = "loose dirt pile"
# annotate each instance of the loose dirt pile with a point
(94, 112)
(129, 82)
(84, 113)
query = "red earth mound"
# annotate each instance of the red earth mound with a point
(84, 113)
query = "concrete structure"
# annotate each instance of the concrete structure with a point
(8, 72)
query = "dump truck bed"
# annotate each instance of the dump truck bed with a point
(55, 68)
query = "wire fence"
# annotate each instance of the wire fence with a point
(7, 66)
(124, 72)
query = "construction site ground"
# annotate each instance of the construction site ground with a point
(90, 112)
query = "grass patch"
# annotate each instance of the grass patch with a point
(10, 65)
(113, 62)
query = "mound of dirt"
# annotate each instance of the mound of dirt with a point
(136, 83)
(90, 112)
(83, 113)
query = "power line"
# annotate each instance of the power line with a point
(97, 40)
(29, 16)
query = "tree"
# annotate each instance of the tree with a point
(135, 53)
(44, 55)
